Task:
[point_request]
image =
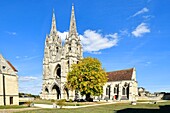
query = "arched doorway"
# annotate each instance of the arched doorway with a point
(66, 92)
(56, 90)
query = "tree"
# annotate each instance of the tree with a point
(87, 77)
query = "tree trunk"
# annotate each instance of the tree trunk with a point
(88, 98)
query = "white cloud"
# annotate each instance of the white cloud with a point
(140, 30)
(124, 33)
(94, 41)
(27, 78)
(26, 58)
(144, 10)
(96, 52)
(148, 17)
(63, 35)
(17, 57)
(11, 33)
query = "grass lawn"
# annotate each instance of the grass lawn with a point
(120, 108)
(42, 102)
(12, 107)
(66, 103)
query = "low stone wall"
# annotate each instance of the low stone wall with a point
(26, 99)
(159, 97)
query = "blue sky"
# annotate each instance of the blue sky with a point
(120, 33)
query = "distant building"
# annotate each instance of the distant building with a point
(8, 83)
(58, 58)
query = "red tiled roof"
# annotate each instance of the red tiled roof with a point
(120, 75)
(12, 66)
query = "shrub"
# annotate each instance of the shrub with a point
(28, 103)
(52, 100)
(70, 100)
(61, 103)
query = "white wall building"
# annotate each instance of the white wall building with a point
(8, 83)
(121, 85)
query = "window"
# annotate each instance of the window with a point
(115, 90)
(123, 91)
(11, 100)
(108, 90)
(3, 67)
(57, 49)
(69, 48)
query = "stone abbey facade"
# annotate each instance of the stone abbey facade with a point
(58, 58)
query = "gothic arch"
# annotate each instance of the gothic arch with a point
(116, 91)
(125, 90)
(57, 71)
(66, 91)
(108, 90)
(55, 90)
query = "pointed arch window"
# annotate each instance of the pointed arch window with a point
(123, 91)
(46, 90)
(115, 90)
(69, 48)
(57, 49)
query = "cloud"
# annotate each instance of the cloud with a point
(27, 78)
(17, 57)
(63, 35)
(26, 58)
(11, 33)
(96, 52)
(144, 10)
(140, 30)
(124, 33)
(148, 17)
(94, 41)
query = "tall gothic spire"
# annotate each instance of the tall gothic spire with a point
(53, 25)
(73, 29)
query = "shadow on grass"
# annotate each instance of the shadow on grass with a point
(162, 109)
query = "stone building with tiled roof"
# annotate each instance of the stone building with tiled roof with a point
(8, 83)
(121, 85)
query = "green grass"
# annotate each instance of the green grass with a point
(12, 107)
(42, 102)
(66, 103)
(119, 107)
(99, 109)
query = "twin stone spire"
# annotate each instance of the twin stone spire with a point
(54, 51)
(72, 30)
(58, 60)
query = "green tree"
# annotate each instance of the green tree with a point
(87, 77)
